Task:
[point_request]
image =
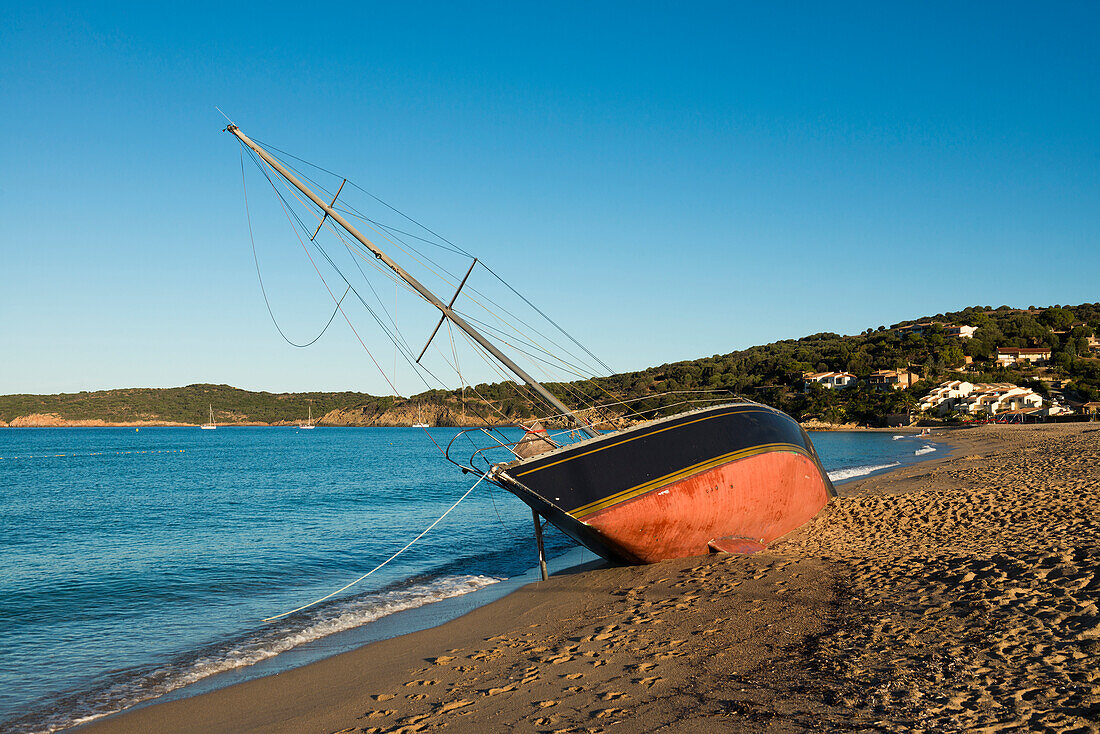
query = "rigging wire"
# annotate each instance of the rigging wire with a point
(576, 370)
(289, 211)
(583, 373)
(256, 260)
(452, 248)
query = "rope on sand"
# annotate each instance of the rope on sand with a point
(383, 563)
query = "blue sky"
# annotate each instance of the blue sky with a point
(669, 181)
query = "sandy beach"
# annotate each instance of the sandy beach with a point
(958, 594)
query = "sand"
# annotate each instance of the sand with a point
(955, 595)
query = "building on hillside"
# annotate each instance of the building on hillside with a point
(892, 379)
(1092, 409)
(1094, 344)
(981, 398)
(963, 332)
(996, 398)
(829, 380)
(1013, 355)
(946, 394)
(914, 328)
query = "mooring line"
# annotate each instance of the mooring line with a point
(383, 563)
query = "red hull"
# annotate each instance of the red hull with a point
(752, 500)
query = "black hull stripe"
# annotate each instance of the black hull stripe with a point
(635, 438)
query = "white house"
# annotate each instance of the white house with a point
(829, 380)
(892, 379)
(996, 398)
(1013, 355)
(981, 398)
(946, 394)
(963, 332)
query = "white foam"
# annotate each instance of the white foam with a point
(926, 449)
(348, 615)
(897, 437)
(839, 475)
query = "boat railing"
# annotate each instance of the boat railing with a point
(492, 439)
(478, 460)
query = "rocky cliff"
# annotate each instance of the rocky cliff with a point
(451, 413)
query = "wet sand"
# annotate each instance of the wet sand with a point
(958, 594)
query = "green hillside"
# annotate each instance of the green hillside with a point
(771, 373)
(184, 404)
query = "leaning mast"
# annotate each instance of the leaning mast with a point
(426, 294)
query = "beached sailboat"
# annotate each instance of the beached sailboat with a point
(210, 425)
(309, 421)
(728, 477)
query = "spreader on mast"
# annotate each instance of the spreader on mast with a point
(426, 294)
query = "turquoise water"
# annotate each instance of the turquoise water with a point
(137, 562)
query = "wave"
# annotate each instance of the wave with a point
(267, 642)
(840, 475)
(926, 449)
(897, 437)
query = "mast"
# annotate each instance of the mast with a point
(426, 294)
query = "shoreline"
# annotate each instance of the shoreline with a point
(273, 668)
(920, 598)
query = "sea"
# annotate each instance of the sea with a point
(140, 565)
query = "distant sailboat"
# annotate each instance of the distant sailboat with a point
(211, 425)
(309, 422)
(419, 421)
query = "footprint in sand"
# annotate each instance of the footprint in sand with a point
(498, 691)
(452, 706)
(378, 714)
(609, 712)
(647, 682)
(613, 695)
(421, 683)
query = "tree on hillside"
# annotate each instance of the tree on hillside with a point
(1057, 318)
